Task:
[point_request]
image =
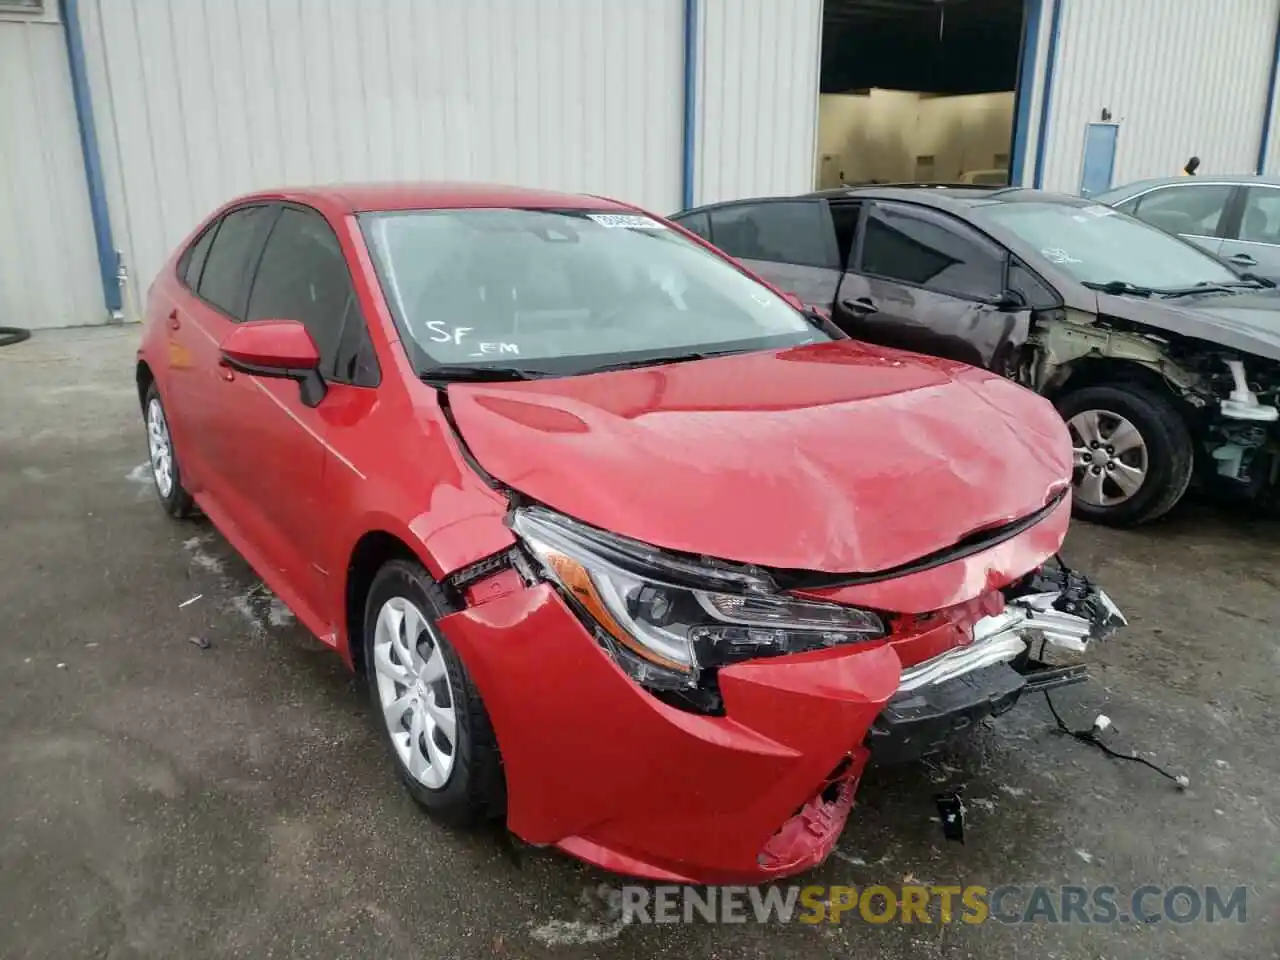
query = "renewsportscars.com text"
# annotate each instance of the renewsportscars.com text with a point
(931, 904)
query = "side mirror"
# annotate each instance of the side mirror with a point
(1009, 300)
(276, 348)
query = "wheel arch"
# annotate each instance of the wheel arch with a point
(368, 555)
(144, 378)
(1096, 371)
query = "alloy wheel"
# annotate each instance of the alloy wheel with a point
(161, 447)
(1109, 457)
(414, 692)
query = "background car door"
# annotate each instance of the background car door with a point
(275, 444)
(203, 314)
(1253, 238)
(1193, 211)
(923, 280)
(791, 243)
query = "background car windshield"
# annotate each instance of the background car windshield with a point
(524, 287)
(1097, 244)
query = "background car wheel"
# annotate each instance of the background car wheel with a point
(1132, 453)
(440, 736)
(164, 458)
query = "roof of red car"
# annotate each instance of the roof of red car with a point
(361, 197)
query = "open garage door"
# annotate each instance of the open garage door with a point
(918, 90)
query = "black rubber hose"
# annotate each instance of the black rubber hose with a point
(12, 335)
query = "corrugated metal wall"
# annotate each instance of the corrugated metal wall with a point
(199, 101)
(1182, 78)
(758, 97)
(48, 264)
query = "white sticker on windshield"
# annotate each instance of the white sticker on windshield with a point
(627, 221)
(1098, 210)
(1058, 255)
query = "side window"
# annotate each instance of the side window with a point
(223, 279)
(1185, 208)
(929, 249)
(1261, 220)
(303, 276)
(698, 223)
(192, 261)
(786, 231)
(1038, 294)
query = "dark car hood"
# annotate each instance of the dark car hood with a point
(1248, 321)
(836, 457)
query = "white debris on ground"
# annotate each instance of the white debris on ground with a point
(1014, 792)
(141, 473)
(602, 920)
(1084, 855)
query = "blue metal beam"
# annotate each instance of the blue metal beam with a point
(1264, 144)
(1046, 95)
(690, 100)
(108, 264)
(1026, 80)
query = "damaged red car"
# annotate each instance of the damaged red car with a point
(631, 550)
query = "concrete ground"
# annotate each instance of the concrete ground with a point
(160, 799)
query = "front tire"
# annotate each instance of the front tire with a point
(434, 721)
(165, 471)
(1132, 453)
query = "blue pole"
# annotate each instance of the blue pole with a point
(1265, 143)
(1046, 96)
(690, 99)
(1026, 80)
(80, 94)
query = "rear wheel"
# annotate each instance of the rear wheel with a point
(164, 459)
(1131, 450)
(440, 737)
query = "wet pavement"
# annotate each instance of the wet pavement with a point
(230, 797)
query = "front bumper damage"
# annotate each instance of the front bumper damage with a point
(1036, 642)
(602, 769)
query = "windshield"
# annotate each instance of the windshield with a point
(563, 291)
(1095, 244)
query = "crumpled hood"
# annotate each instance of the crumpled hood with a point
(836, 457)
(1248, 321)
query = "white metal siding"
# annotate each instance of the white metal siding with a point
(199, 101)
(1181, 77)
(757, 97)
(48, 263)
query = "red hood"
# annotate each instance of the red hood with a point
(836, 457)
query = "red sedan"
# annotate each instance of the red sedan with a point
(631, 550)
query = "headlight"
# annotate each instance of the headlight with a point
(665, 617)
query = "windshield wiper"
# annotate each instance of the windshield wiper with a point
(1118, 287)
(654, 361)
(462, 373)
(1248, 283)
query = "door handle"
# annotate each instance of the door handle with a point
(863, 305)
(174, 322)
(1244, 260)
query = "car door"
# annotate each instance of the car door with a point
(1252, 238)
(789, 242)
(212, 275)
(921, 279)
(275, 445)
(1191, 210)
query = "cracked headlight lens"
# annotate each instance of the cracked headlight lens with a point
(666, 617)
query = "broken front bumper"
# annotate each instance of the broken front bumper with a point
(1035, 643)
(604, 770)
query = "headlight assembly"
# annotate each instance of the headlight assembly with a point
(665, 618)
